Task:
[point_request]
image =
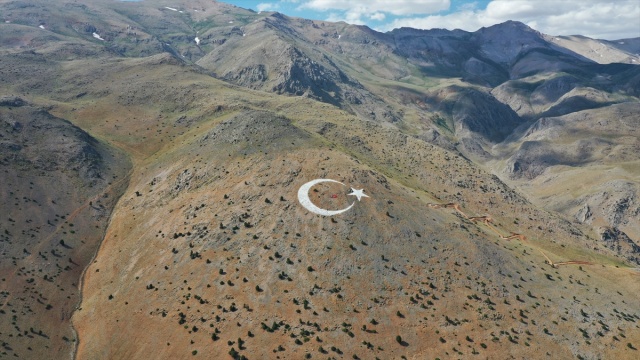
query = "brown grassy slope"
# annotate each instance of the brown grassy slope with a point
(211, 102)
(58, 188)
(318, 58)
(205, 164)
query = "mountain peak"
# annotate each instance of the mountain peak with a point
(514, 23)
(504, 42)
(508, 27)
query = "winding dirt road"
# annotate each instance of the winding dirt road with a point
(488, 221)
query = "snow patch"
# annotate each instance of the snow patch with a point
(95, 35)
(41, 27)
(230, 21)
(339, 36)
(170, 8)
(621, 42)
(197, 40)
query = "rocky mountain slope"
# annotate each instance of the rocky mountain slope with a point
(59, 186)
(601, 51)
(174, 135)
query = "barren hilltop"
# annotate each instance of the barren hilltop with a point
(152, 152)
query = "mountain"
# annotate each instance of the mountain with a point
(152, 153)
(601, 51)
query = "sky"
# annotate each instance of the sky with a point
(611, 20)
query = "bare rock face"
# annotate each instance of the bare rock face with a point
(516, 95)
(305, 75)
(600, 51)
(287, 71)
(33, 139)
(624, 203)
(12, 101)
(550, 91)
(475, 147)
(531, 160)
(621, 243)
(503, 43)
(482, 72)
(276, 54)
(249, 76)
(617, 203)
(433, 136)
(479, 114)
(435, 50)
(584, 215)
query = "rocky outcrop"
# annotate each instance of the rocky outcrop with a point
(504, 43)
(31, 138)
(614, 202)
(479, 114)
(252, 127)
(531, 160)
(551, 90)
(12, 101)
(619, 242)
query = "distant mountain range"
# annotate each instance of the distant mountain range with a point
(151, 153)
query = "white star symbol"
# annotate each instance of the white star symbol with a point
(358, 193)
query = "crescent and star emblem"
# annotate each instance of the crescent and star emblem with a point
(303, 198)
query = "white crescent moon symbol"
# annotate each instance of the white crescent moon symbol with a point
(303, 198)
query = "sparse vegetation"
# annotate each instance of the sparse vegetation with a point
(199, 159)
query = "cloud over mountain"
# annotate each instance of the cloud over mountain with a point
(596, 19)
(593, 18)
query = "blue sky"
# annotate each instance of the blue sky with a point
(594, 18)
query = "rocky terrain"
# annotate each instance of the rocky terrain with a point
(151, 154)
(59, 187)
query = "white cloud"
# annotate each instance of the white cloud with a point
(361, 11)
(351, 17)
(593, 18)
(368, 7)
(470, 6)
(267, 6)
(377, 16)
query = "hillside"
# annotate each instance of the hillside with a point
(151, 155)
(59, 187)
